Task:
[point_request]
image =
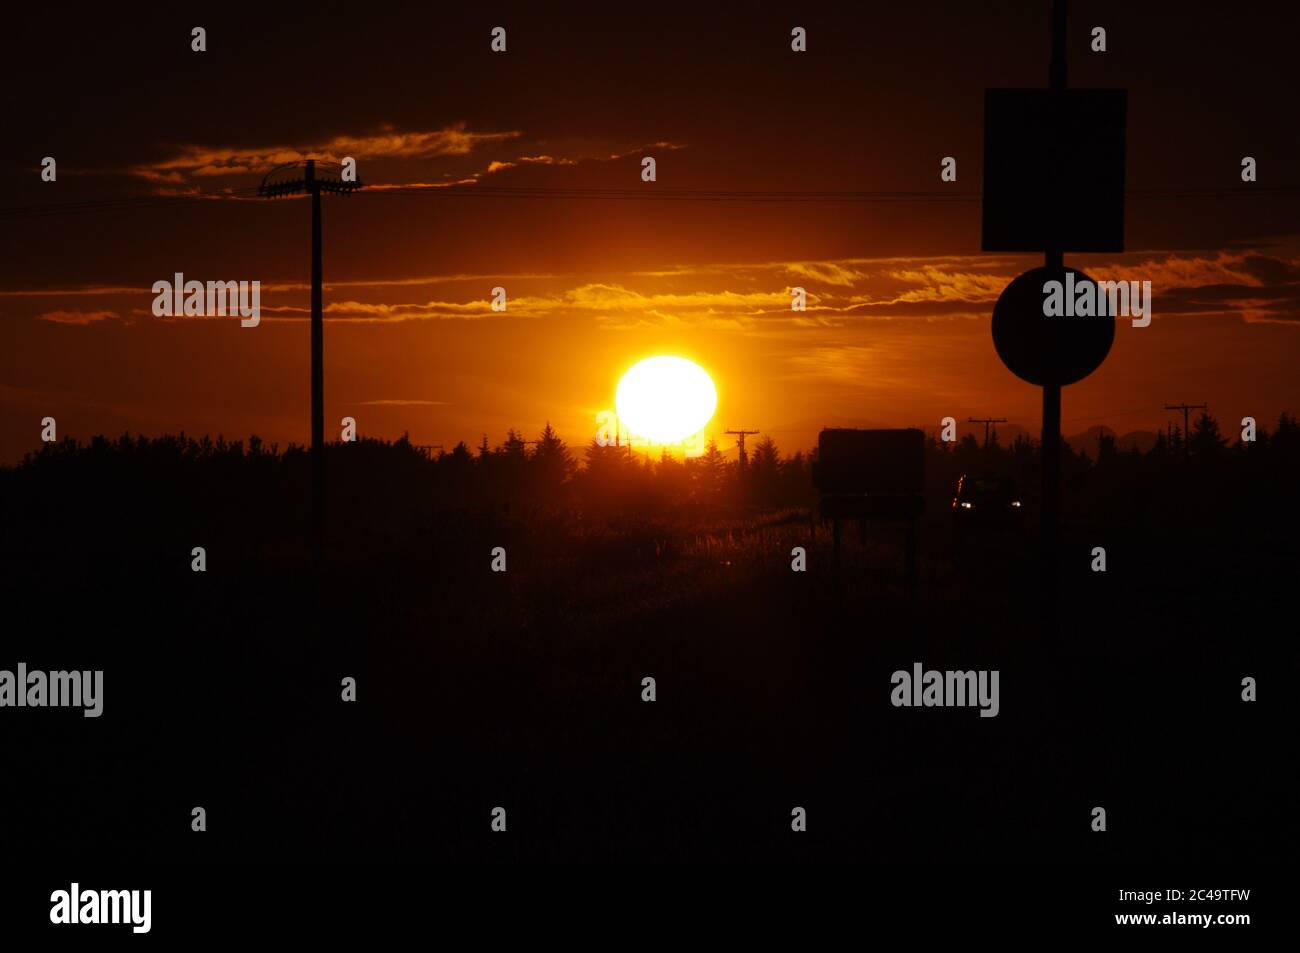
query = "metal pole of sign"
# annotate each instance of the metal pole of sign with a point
(1050, 509)
(1057, 78)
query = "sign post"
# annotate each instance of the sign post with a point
(1053, 182)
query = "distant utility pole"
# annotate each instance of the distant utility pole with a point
(312, 179)
(1185, 408)
(740, 446)
(986, 421)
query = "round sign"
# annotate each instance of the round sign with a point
(1053, 334)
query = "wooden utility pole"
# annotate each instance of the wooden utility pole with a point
(1185, 408)
(740, 446)
(986, 421)
(317, 371)
(314, 180)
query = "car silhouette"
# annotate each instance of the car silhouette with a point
(987, 500)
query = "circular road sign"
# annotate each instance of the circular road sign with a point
(1060, 348)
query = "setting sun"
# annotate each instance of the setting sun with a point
(665, 399)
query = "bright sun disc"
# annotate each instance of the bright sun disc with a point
(665, 399)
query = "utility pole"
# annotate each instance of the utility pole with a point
(1186, 408)
(740, 446)
(312, 179)
(618, 439)
(986, 421)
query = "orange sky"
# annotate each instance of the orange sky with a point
(897, 329)
(902, 342)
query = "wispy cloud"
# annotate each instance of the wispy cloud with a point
(404, 403)
(496, 166)
(203, 161)
(77, 317)
(1261, 284)
(826, 273)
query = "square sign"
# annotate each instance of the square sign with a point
(871, 474)
(875, 462)
(1054, 170)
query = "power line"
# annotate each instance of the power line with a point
(124, 204)
(755, 195)
(672, 195)
(1113, 413)
(592, 194)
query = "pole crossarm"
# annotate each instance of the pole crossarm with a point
(986, 421)
(306, 176)
(1186, 409)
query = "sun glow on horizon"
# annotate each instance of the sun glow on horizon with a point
(665, 399)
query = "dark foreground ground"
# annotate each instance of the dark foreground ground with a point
(523, 689)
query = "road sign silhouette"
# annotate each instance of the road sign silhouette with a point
(1054, 170)
(1048, 350)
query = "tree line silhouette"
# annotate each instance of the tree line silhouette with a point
(547, 471)
(168, 491)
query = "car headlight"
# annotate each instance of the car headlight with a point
(1015, 503)
(968, 506)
